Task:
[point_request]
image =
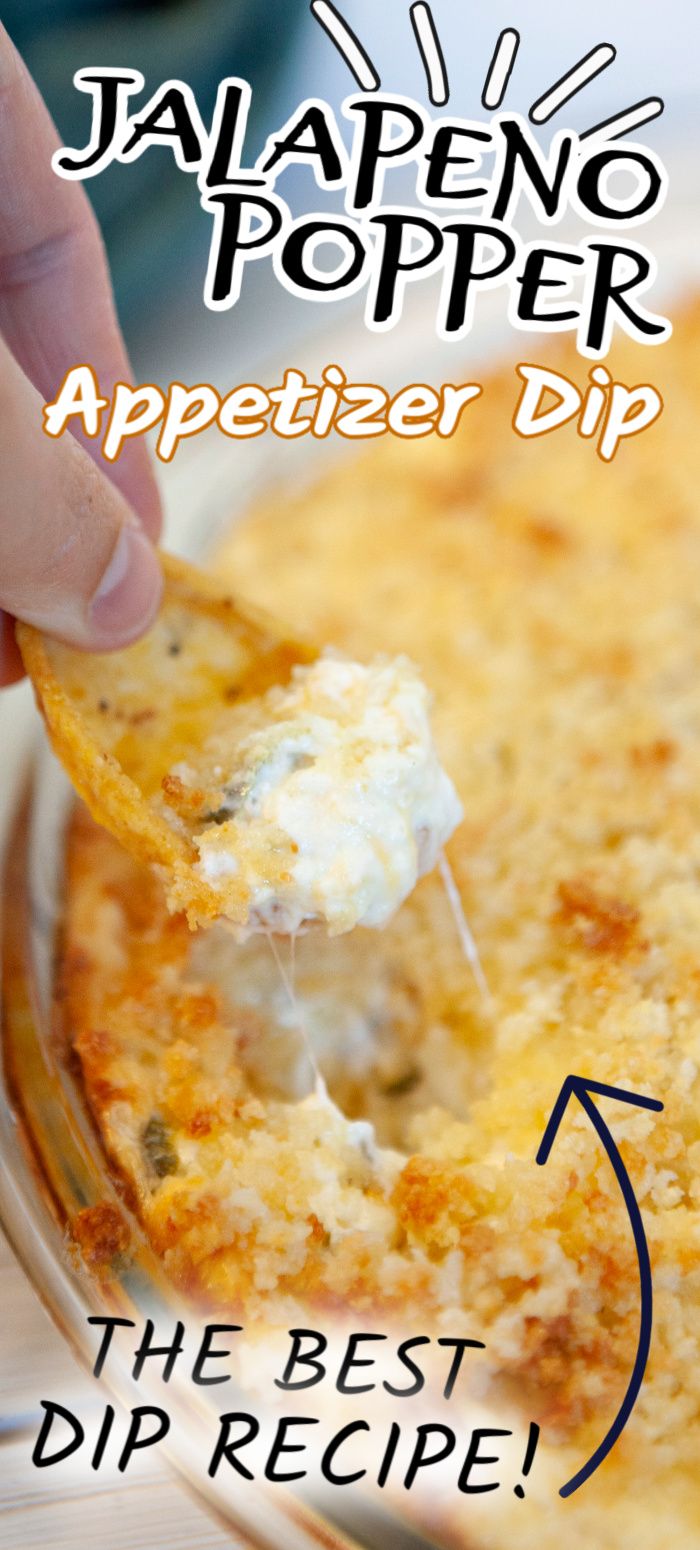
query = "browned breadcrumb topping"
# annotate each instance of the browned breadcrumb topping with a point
(101, 1234)
(601, 922)
(552, 603)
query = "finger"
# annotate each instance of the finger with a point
(73, 558)
(11, 667)
(56, 305)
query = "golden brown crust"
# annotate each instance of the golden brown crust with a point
(551, 602)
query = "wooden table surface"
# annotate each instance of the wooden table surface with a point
(57, 1508)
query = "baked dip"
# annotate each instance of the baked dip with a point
(550, 601)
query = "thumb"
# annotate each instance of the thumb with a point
(73, 559)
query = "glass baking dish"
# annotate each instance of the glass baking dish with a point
(51, 1162)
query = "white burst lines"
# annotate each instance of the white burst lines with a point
(430, 50)
(498, 73)
(575, 79)
(623, 123)
(347, 44)
(500, 69)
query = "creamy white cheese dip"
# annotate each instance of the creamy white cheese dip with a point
(341, 789)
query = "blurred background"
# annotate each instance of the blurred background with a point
(156, 234)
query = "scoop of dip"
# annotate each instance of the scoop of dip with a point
(325, 797)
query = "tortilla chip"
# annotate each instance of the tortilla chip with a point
(120, 721)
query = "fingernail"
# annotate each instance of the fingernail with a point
(127, 598)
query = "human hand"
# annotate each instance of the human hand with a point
(76, 553)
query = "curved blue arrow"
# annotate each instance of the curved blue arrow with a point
(581, 1088)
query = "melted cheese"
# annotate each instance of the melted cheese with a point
(342, 780)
